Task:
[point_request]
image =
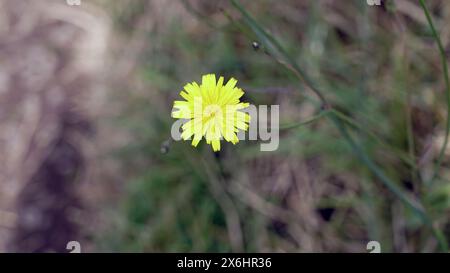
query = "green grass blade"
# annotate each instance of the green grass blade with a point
(447, 86)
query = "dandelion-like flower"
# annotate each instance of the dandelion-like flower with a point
(212, 111)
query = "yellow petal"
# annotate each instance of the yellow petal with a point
(216, 145)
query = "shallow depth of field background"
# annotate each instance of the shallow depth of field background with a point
(108, 178)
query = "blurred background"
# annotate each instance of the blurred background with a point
(86, 93)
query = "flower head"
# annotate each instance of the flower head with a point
(212, 111)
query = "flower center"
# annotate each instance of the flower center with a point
(212, 111)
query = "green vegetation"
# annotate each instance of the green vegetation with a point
(362, 92)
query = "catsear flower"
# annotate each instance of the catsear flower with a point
(212, 111)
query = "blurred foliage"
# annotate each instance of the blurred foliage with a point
(376, 64)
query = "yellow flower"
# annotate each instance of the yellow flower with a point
(212, 111)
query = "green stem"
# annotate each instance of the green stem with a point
(414, 205)
(447, 85)
(275, 48)
(305, 122)
(353, 124)
(272, 44)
